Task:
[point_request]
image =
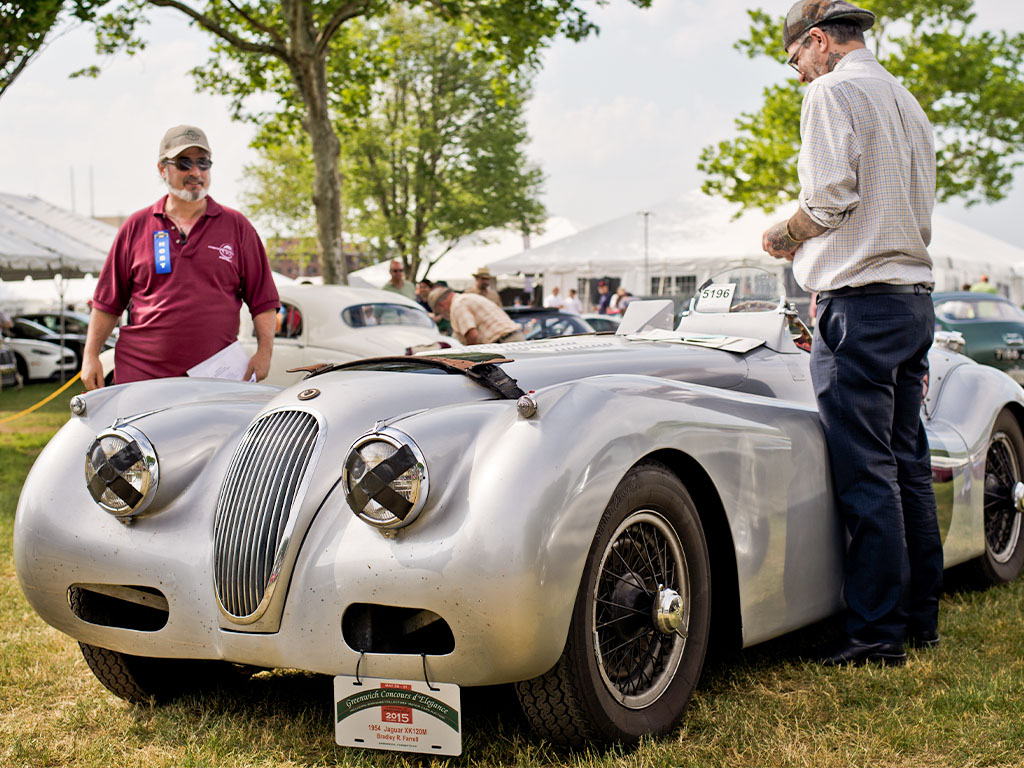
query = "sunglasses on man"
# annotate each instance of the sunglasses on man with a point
(186, 163)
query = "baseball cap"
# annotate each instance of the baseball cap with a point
(181, 137)
(810, 13)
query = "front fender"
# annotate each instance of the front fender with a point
(515, 503)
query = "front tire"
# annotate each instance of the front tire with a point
(640, 623)
(1004, 523)
(142, 680)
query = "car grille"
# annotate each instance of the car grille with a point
(254, 506)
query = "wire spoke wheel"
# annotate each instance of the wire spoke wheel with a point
(1003, 558)
(1002, 518)
(637, 660)
(640, 622)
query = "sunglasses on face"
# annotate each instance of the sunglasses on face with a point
(186, 163)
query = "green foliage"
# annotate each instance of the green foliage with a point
(281, 48)
(25, 26)
(432, 139)
(970, 85)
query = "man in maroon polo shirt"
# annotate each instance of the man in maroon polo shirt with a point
(182, 267)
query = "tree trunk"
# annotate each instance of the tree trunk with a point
(309, 72)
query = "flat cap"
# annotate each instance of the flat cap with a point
(810, 13)
(437, 294)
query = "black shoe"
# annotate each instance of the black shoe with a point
(855, 653)
(923, 639)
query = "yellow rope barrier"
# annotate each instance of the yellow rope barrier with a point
(42, 402)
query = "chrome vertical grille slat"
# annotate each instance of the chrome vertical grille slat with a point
(269, 505)
(254, 507)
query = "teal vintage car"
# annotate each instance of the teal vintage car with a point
(992, 327)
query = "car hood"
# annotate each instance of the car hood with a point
(376, 341)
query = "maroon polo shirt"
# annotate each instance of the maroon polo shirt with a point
(181, 318)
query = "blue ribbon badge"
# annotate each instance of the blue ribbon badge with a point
(162, 252)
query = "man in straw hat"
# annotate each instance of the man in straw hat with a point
(475, 320)
(860, 239)
(483, 286)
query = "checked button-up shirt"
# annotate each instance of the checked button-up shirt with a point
(867, 172)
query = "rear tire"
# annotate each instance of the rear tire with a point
(626, 671)
(1004, 523)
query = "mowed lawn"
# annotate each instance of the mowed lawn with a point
(960, 705)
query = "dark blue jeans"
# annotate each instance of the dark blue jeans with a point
(868, 363)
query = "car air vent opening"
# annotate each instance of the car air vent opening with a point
(126, 607)
(388, 629)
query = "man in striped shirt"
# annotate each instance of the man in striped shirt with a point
(860, 239)
(475, 320)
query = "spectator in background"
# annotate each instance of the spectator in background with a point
(572, 304)
(474, 319)
(553, 300)
(185, 265)
(604, 298)
(483, 286)
(398, 283)
(422, 291)
(620, 301)
(984, 286)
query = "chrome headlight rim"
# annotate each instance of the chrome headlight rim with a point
(146, 453)
(398, 440)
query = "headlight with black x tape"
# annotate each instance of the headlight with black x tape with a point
(385, 478)
(122, 472)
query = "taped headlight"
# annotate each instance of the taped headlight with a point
(385, 478)
(121, 471)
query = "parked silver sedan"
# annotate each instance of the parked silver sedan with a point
(579, 517)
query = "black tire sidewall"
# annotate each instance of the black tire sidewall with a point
(654, 487)
(995, 572)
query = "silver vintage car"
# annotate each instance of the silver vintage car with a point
(579, 516)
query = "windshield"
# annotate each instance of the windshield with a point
(970, 308)
(366, 315)
(744, 289)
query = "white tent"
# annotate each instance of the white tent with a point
(474, 251)
(42, 239)
(696, 236)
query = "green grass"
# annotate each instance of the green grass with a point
(959, 705)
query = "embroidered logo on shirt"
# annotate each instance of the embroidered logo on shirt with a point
(226, 251)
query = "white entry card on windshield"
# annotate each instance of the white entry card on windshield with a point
(401, 715)
(716, 297)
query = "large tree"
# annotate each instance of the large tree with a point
(970, 85)
(275, 45)
(27, 25)
(432, 148)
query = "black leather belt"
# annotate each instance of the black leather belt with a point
(876, 289)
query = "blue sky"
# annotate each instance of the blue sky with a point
(617, 122)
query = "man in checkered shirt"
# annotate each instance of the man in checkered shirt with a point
(474, 319)
(860, 239)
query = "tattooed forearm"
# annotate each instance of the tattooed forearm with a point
(802, 227)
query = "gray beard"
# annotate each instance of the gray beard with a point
(184, 194)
